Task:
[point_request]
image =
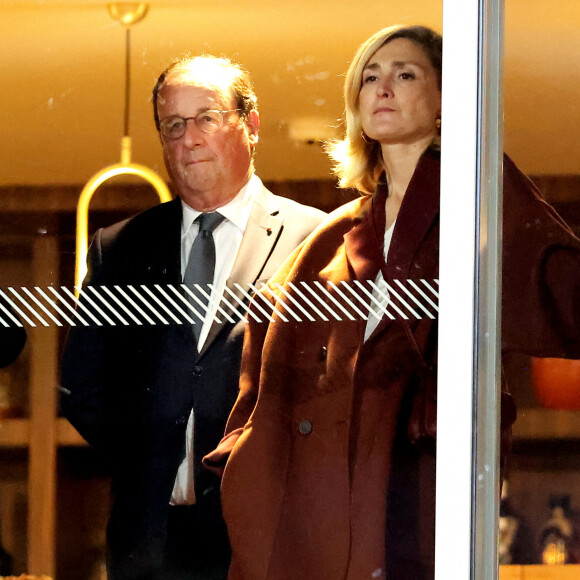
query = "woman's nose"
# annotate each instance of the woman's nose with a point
(385, 87)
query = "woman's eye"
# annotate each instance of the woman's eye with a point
(406, 76)
(369, 79)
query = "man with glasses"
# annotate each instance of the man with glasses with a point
(155, 397)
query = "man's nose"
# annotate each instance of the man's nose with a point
(193, 135)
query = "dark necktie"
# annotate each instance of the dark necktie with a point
(201, 264)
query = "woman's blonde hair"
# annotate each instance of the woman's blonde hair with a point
(357, 159)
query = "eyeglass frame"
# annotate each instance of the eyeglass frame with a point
(194, 118)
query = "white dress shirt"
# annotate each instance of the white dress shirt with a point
(227, 238)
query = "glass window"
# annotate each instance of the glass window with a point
(63, 122)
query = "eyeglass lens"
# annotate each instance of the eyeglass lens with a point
(207, 121)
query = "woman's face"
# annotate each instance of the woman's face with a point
(399, 99)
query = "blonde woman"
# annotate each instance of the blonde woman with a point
(331, 442)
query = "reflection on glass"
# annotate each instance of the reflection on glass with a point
(41, 182)
(543, 467)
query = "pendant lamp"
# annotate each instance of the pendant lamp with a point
(127, 14)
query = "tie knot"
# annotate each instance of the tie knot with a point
(208, 222)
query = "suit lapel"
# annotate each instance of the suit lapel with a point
(162, 260)
(262, 232)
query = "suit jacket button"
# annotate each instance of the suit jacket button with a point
(181, 421)
(197, 371)
(323, 353)
(304, 427)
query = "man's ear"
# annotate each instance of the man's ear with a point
(253, 124)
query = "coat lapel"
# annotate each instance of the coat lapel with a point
(420, 207)
(418, 211)
(262, 232)
(362, 248)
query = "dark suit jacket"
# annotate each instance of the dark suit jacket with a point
(129, 390)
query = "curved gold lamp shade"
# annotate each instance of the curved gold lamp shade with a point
(123, 168)
(127, 13)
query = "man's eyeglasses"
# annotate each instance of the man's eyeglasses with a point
(207, 121)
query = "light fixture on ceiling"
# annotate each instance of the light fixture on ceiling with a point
(311, 130)
(126, 13)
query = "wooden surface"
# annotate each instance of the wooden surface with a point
(570, 572)
(532, 424)
(538, 424)
(14, 432)
(42, 449)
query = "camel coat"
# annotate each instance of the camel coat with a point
(322, 480)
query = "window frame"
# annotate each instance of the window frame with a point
(468, 416)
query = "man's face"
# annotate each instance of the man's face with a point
(208, 169)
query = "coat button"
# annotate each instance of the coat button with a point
(197, 371)
(304, 427)
(323, 354)
(208, 490)
(181, 421)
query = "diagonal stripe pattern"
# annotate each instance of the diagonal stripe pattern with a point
(165, 305)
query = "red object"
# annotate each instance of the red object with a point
(556, 382)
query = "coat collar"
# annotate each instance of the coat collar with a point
(363, 250)
(420, 207)
(418, 211)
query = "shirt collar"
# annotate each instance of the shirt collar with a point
(236, 211)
